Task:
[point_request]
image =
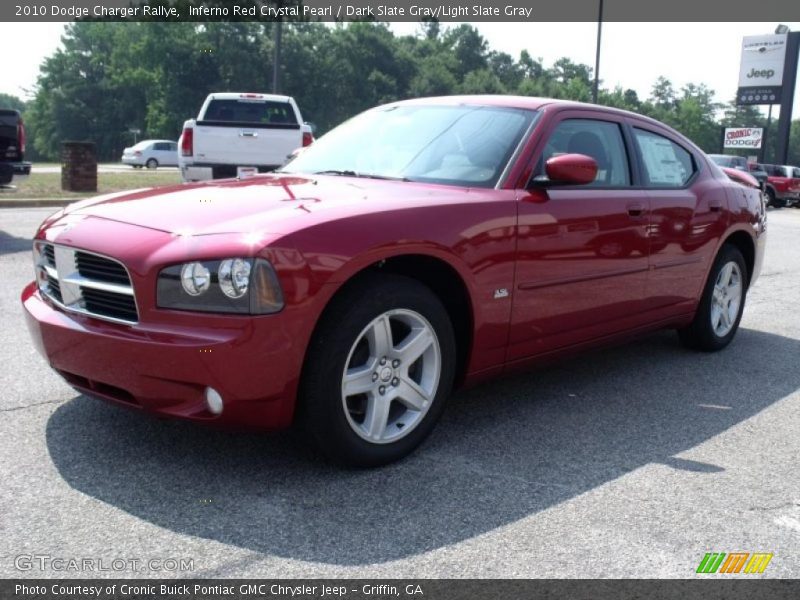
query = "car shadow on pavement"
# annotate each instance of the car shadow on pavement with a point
(503, 451)
(10, 244)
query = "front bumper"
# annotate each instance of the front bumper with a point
(250, 361)
(14, 172)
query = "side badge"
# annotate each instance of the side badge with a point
(500, 293)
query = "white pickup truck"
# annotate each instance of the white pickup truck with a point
(237, 134)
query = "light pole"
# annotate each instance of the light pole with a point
(597, 54)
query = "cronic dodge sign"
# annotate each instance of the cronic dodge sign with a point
(761, 70)
(743, 137)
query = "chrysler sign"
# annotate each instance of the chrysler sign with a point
(743, 137)
(761, 70)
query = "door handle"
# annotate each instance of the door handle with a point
(244, 133)
(636, 209)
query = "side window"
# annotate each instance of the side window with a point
(162, 146)
(601, 140)
(666, 164)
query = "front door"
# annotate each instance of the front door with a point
(582, 254)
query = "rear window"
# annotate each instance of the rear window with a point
(9, 118)
(666, 164)
(251, 111)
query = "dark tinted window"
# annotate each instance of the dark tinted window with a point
(600, 140)
(250, 111)
(665, 163)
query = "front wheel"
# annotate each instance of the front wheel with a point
(720, 309)
(774, 201)
(378, 371)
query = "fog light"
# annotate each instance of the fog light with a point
(213, 401)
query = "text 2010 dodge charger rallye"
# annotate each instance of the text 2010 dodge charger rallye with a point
(421, 245)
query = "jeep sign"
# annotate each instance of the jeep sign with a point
(761, 70)
(743, 137)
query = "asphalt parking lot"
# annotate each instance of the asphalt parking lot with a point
(630, 462)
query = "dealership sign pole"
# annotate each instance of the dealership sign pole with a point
(787, 102)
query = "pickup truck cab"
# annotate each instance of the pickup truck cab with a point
(236, 133)
(12, 147)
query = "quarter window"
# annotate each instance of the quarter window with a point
(666, 164)
(600, 140)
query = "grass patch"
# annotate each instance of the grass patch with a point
(48, 185)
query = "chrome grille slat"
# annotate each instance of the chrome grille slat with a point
(86, 283)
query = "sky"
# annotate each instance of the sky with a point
(633, 55)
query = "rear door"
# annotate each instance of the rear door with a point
(247, 132)
(688, 214)
(582, 256)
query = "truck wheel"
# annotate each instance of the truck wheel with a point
(720, 309)
(151, 163)
(378, 371)
(773, 201)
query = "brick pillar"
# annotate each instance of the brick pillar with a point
(78, 167)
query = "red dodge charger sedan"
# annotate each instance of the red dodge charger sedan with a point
(419, 246)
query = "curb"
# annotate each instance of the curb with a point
(40, 203)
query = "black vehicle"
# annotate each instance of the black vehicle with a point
(758, 171)
(12, 147)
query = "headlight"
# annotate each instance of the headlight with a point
(234, 277)
(232, 285)
(195, 278)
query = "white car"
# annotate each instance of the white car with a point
(151, 154)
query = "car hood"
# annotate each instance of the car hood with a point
(274, 204)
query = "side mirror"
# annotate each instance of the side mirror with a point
(571, 169)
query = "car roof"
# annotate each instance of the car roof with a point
(524, 102)
(536, 103)
(249, 96)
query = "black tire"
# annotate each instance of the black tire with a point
(700, 334)
(773, 201)
(151, 163)
(321, 408)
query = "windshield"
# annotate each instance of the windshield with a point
(457, 145)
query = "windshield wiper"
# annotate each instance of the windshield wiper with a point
(350, 173)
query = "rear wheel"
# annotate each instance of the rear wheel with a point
(378, 371)
(720, 309)
(152, 163)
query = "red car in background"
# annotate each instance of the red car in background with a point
(419, 246)
(783, 185)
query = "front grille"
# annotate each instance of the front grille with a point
(99, 268)
(100, 302)
(85, 283)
